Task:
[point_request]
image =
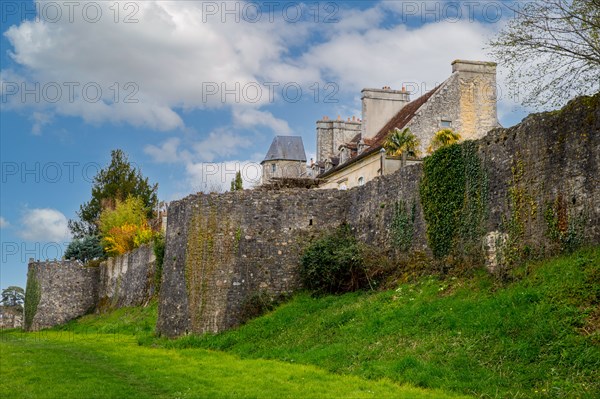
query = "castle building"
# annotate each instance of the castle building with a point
(286, 158)
(350, 153)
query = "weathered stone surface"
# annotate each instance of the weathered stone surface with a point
(67, 290)
(223, 249)
(128, 279)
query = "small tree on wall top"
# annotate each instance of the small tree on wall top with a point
(402, 142)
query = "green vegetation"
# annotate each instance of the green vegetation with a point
(85, 249)
(125, 227)
(336, 263)
(536, 337)
(32, 298)
(402, 142)
(159, 253)
(98, 357)
(237, 184)
(403, 224)
(443, 138)
(453, 194)
(117, 181)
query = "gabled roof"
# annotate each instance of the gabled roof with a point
(399, 121)
(286, 148)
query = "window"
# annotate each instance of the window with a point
(273, 167)
(361, 181)
(446, 123)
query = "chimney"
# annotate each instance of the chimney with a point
(379, 106)
(477, 97)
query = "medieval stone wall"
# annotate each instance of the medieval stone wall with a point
(58, 291)
(128, 279)
(542, 190)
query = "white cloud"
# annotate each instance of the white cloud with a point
(44, 224)
(40, 119)
(170, 56)
(392, 57)
(217, 176)
(166, 152)
(249, 117)
(177, 52)
(3, 223)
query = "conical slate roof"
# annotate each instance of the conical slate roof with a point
(286, 148)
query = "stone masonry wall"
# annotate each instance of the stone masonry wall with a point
(223, 249)
(128, 279)
(58, 291)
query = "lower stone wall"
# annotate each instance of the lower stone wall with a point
(530, 190)
(128, 279)
(58, 291)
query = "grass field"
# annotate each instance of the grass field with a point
(76, 365)
(538, 336)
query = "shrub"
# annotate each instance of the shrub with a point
(85, 249)
(335, 264)
(125, 227)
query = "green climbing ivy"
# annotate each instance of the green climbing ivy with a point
(32, 298)
(454, 195)
(403, 223)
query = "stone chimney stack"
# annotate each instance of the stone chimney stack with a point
(379, 106)
(477, 97)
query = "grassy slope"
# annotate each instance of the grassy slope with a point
(538, 337)
(99, 357)
(535, 337)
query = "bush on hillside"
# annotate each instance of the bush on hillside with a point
(338, 263)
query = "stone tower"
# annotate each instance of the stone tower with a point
(286, 158)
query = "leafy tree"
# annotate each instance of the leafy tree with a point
(85, 249)
(402, 142)
(237, 184)
(443, 138)
(552, 47)
(13, 296)
(114, 183)
(125, 227)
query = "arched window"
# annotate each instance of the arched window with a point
(361, 181)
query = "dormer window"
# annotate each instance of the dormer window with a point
(446, 123)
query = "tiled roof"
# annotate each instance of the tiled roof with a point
(286, 148)
(399, 121)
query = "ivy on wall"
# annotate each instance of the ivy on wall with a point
(211, 244)
(564, 231)
(403, 223)
(454, 196)
(32, 298)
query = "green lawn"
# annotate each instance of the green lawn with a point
(63, 364)
(538, 336)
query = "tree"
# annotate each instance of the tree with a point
(402, 142)
(114, 183)
(552, 47)
(85, 249)
(125, 227)
(443, 138)
(237, 184)
(13, 296)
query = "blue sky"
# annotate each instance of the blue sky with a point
(192, 91)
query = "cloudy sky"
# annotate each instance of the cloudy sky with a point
(193, 91)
